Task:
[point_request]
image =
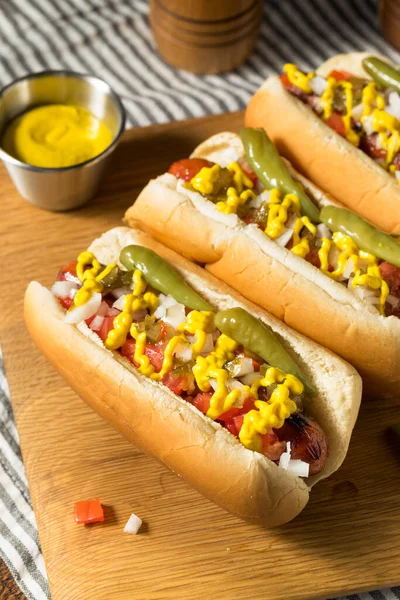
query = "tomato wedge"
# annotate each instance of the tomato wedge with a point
(340, 75)
(336, 123)
(187, 168)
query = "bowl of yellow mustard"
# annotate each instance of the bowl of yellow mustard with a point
(58, 130)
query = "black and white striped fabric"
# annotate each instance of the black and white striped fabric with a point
(111, 39)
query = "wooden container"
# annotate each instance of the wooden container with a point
(205, 36)
(390, 21)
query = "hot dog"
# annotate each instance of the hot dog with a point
(221, 392)
(340, 126)
(268, 232)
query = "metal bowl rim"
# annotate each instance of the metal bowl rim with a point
(59, 73)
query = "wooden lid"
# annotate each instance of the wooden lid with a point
(204, 36)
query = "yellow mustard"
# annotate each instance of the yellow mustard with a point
(55, 136)
(264, 416)
(271, 414)
(297, 78)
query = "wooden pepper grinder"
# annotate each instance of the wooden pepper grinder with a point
(205, 36)
(390, 21)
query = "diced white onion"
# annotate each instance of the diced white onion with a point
(357, 111)
(234, 384)
(318, 85)
(366, 293)
(213, 383)
(323, 231)
(62, 289)
(393, 108)
(250, 378)
(349, 269)
(284, 238)
(119, 303)
(393, 300)
(209, 345)
(397, 175)
(367, 124)
(112, 312)
(133, 525)
(284, 459)
(183, 352)
(81, 313)
(123, 291)
(176, 315)
(243, 366)
(264, 197)
(299, 468)
(160, 312)
(97, 322)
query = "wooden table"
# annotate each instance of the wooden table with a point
(348, 537)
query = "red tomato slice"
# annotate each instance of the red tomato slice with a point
(107, 324)
(66, 302)
(340, 75)
(231, 427)
(202, 402)
(89, 511)
(68, 272)
(176, 383)
(313, 258)
(154, 352)
(391, 275)
(229, 414)
(187, 168)
(336, 123)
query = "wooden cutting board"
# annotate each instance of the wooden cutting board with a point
(348, 537)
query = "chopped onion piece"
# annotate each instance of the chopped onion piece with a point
(97, 322)
(123, 291)
(318, 85)
(283, 239)
(119, 303)
(368, 126)
(133, 525)
(209, 345)
(63, 289)
(349, 269)
(357, 111)
(234, 384)
(393, 300)
(250, 378)
(298, 467)
(160, 312)
(183, 352)
(81, 313)
(393, 108)
(323, 231)
(176, 315)
(243, 366)
(284, 459)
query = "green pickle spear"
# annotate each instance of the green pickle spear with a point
(161, 276)
(271, 170)
(366, 236)
(258, 338)
(382, 73)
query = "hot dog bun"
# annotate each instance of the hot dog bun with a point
(269, 275)
(325, 157)
(206, 455)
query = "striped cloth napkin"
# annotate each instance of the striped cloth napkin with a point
(111, 39)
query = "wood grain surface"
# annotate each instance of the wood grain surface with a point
(348, 537)
(8, 588)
